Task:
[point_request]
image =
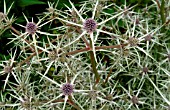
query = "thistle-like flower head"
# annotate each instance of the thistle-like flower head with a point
(67, 89)
(148, 37)
(133, 41)
(90, 25)
(7, 69)
(145, 69)
(31, 28)
(135, 100)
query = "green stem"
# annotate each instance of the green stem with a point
(107, 77)
(162, 13)
(93, 63)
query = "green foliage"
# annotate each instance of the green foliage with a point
(24, 3)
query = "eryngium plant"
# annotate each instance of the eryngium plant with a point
(99, 56)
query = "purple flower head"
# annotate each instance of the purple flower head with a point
(67, 89)
(135, 100)
(8, 69)
(148, 37)
(31, 28)
(145, 69)
(90, 25)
